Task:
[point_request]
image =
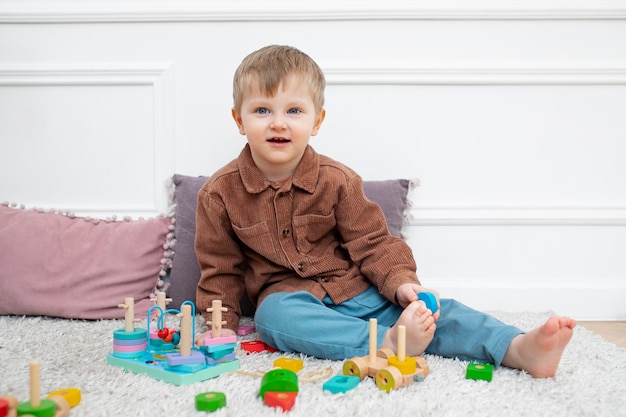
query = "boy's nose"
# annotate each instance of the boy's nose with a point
(278, 123)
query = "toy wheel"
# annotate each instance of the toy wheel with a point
(423, 369)
(62, 406)
(356, 367)
(388, 379)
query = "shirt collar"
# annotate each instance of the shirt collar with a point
(305, 176)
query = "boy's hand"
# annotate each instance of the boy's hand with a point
(200, 338)
(407, 293)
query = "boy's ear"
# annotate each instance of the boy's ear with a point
(238, 120)
(318, 122)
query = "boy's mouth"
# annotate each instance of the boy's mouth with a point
(278, 140)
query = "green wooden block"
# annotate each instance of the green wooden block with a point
(210, 401)
(479, 371)
(279, 380)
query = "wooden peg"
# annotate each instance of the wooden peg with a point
(161, 301)
(373, 341)
(216, 318)
(129, 314)
(36, 406)
(185, 330)
(401, 343)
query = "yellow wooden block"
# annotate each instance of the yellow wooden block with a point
(292, 364)
(408, 366)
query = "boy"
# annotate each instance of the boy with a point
(294, 229)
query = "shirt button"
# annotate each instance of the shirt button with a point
(302, 267)
(285, 232)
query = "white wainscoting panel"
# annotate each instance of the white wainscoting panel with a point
(96, 140)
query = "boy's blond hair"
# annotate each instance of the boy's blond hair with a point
(270, 66)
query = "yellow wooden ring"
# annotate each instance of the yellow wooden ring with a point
(389, 378)
(71, 395)
(406, 367)
(356, 367)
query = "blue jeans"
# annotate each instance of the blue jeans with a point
(299, 322)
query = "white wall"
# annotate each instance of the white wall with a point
(512, 115)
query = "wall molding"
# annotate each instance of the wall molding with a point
(516, 216)
(495, 215)
(158, 76)
(459, 74)
(560, 297)
(25, 11)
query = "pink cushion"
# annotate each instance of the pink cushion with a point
(56, 265)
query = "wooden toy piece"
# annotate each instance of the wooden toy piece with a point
(62, 406)
(129, 314)
(185, 330)
(402, 370)
(479, 371)
(179, 366)
(368, 365)
(4, 407)
(210, 401)
(423, 369)
(406, 365)
(341, 383)
(253, 346)
(292, 364)
(284, 400)
(279, 380)
(161, 301)
(245, 330)
(430, 300)
(216, 318)
(71, 395)
(8, 406)
(36, 406)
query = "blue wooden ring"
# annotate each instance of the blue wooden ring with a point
(430, 300)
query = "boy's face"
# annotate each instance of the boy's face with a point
(278, 128)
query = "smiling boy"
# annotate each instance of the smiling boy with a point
(294, 229)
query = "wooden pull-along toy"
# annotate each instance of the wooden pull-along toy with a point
(388, 370)
(56, 405)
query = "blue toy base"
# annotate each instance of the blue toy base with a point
(155, 366)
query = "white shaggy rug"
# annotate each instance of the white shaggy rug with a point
(591, 380)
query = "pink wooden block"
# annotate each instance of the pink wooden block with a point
(244, 330)
(210, 341)
(136, 348)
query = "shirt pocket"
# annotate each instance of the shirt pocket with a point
(258, 238)
(315, 233)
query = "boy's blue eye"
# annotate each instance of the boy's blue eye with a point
(293, 111)
(262, 110)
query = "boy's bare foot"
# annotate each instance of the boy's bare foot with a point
(420, 329)
(539, 351)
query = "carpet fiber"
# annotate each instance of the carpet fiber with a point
(591, 380)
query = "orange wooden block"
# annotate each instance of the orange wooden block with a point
(284, 400)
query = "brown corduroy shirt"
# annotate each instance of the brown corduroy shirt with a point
(315, 231)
